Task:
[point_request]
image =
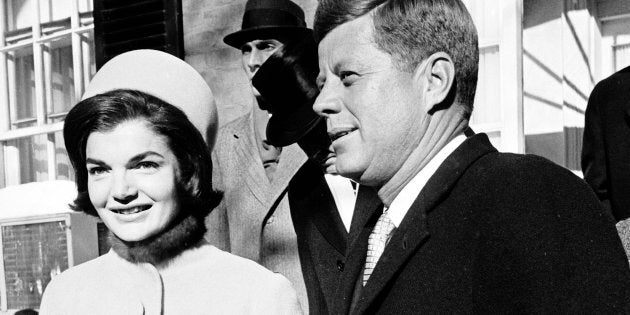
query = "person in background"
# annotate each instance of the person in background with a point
(145, 170)
(464, 229)
(254, 174)
(321, 202)
(606, 145)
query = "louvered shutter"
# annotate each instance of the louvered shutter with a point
(124, 25)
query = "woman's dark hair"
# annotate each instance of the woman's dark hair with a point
(103, 112)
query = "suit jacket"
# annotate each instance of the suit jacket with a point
(254, 219)
(606, 145)
(321, 234)
(494, 233)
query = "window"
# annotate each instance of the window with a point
(498, 99)
(621, 55)
(46, 59)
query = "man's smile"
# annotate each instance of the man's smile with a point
(337, 133)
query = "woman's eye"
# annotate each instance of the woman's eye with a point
(146, 165)
(97, 170)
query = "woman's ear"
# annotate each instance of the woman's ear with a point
(437, 74)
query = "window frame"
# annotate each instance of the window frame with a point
(45, 123)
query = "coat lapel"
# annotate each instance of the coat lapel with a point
(253, 174)
(366, 211)
(413, 232)
(291, 159)
(329, 224)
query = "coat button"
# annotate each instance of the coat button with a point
(340, 265)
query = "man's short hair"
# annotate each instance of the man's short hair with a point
(412, 30)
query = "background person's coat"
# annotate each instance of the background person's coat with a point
(254, 219)
(494, 233)
(606, 145)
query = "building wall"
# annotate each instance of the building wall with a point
(205, 25)
(567, 49)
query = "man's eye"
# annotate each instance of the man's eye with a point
(347, 77)
(97, 170)
(268, 47)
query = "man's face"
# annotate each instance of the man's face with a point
(373, 110)
(255, 53)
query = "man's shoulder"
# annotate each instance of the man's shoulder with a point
(523, 174)
(617, 82)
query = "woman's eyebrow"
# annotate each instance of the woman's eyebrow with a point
(141, 156)
(135, 159)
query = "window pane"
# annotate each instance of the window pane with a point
(59, 76)
(32, 156)
(19, 14)
(2, 166)
(487, 98)
(622, 56)
(64, 168)
(21, 76)
(55, 10)
(33, 254)
(89, 57)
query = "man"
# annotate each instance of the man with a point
(606, 147)
(260, 181)
(322, 202)
(465, 229)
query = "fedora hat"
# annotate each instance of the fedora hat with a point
(269, 18)
(164, 76)
(286, 82)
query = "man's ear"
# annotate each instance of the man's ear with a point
(438, 74)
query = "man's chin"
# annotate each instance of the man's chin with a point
(331, 169)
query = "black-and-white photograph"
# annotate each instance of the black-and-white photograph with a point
(168, 157)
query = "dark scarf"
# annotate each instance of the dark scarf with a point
(184, 233)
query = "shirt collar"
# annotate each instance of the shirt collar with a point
(403, 201)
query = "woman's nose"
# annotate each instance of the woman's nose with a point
(123, 189)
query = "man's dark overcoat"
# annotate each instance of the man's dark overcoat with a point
(321, 234)
(494, 233)
(606, 146)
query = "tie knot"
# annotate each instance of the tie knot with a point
(384, 225)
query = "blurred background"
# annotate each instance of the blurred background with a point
(539, 60)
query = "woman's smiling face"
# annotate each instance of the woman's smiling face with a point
(132, 176)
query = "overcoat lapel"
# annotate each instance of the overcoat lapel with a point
(412, 233)
(329, 224)
(291, 159)
(253, 174)
(366, 211)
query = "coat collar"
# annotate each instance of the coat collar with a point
(412, 232)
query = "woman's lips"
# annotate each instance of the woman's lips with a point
(131, 210)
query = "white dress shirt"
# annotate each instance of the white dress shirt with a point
(402, 202)
(345, 197)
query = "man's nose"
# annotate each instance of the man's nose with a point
(327, 102)
(256, 59)
(123, 188)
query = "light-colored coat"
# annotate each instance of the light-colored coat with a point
(203, 280)
(254, 218)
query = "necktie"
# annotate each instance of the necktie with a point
(376, 244)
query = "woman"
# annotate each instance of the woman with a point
(145, 170)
